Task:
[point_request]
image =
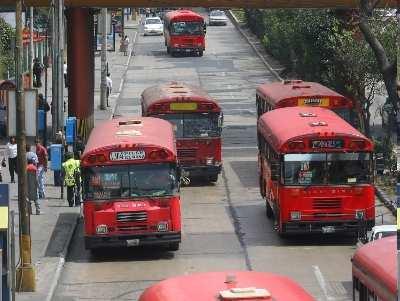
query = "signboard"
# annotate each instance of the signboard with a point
(319, 102)
(110, 42)
(30, 119)
(332, 143)
(183, 106)
(127, 155)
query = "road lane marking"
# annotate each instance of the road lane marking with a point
(324, 285)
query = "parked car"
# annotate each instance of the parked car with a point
(217, 17)
(381, 231)
(153, 25)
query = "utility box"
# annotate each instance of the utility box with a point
(70, 130)
(56, 155)
(4, 254)
(41, 120)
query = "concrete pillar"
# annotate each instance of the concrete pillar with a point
(80, 74)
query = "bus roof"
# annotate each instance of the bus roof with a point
(207, 287)
(131, 130)
(279, 91)
(378, 260)
(175, 91)
(305, 121)
(183, 15)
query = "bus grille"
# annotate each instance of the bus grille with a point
(187, 153)
(327, 204)
(135, 216)
(132, 228)
(327, 215)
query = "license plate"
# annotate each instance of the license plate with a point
(132, 242)
(188, 50)
(328, 229)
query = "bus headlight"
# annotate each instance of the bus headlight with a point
(360, 214)
(101, 229)
(162, 226)
(295, 215)
(210, 161)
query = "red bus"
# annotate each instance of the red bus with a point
(184, 31)
(131, 185)
(232, 285)
(315, 172)
(197, 119)
(292, 93)
(374, 269)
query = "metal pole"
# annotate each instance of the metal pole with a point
(60, 65)
(30, 51)
(25, 271)
(103, 84)
(54, 87)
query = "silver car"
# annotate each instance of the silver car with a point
(153, 25)
(217, 17)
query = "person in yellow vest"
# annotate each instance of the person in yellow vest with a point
(71, 172)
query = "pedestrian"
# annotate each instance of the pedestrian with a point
(109, 86)
(37, 70)
(71, 172)
(43, 104)
(30, 155)
(126, 45)
(32, 185)
(12, 157)
(41, 153)
(3, 164)
(79, 147)
(65, 69)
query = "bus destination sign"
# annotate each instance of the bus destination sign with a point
(127, 155)
(333, 143)
(317, 101)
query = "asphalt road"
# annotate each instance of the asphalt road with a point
(224, 225)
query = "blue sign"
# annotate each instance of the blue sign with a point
(70, 130)
(56, 155)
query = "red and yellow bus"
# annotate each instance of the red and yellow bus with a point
(131, 185)
(293, 93)
(197, 119)
(315, 172)
(374, 269)
(224, 286)
(184, 31)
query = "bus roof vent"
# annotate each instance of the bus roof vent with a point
(292, 81)
(301, 87)
(318, 123)
(130, 122)
(245, 293)
(307, 114)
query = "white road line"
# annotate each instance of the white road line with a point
(325, 287)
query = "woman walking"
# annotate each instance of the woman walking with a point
(12, 157)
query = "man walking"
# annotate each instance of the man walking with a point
(109, 86)
(32, 184)
(12, 157)
(37, 72)
(41, 153)
(71, 171)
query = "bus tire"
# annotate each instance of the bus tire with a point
(168, 49)
(173, 246)
(268, 210)
(213, 178)
(200, 53)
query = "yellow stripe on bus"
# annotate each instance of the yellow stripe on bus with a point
(3, 217)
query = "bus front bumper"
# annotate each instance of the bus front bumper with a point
(325, 227)
(132, 240)
(203, 170)
(186, 49)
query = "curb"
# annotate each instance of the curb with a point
(61, 261)
(391, 205)
(236, 22)
(124, 74)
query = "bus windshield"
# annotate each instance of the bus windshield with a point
(128, 181)
(187, 28)
(327, 168)
(194, 125)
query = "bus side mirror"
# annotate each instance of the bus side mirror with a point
(205, 28)
(220, 120)
(275, 171)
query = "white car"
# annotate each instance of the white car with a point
(217, 17)
(381, 231)
(153, 25)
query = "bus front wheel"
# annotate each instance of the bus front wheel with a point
(200, 52)
(213, 178)
(173, 246)
(168, 50)
(268, 210)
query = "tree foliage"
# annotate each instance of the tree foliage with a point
(327, 46)
(6, 52)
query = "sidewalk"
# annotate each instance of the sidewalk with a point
(52, 231)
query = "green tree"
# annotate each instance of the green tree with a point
(6, 54)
